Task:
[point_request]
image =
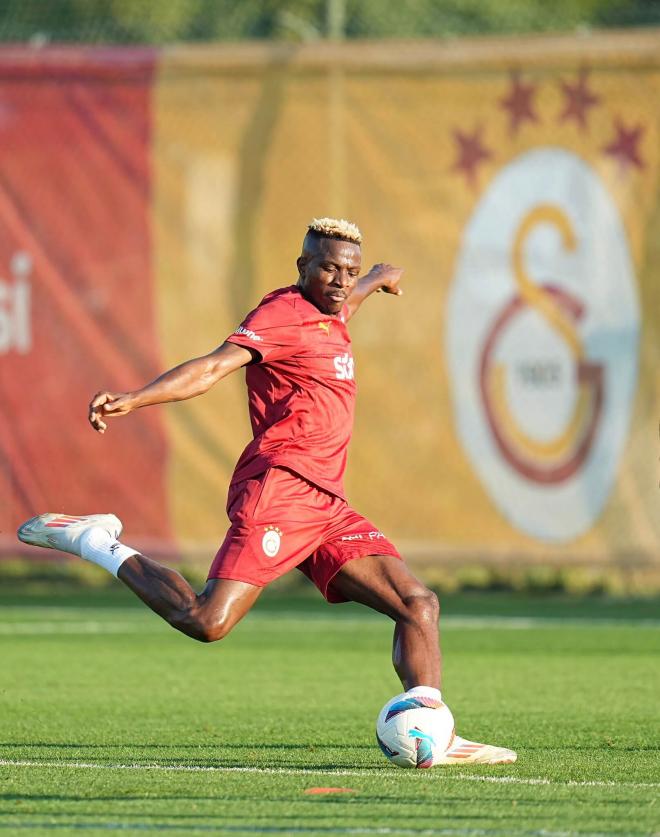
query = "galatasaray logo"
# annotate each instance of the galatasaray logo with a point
(271, 541)
(553, 459)
(542, 330)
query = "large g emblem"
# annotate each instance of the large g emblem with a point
(542, 330)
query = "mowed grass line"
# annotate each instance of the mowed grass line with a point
(299, 691)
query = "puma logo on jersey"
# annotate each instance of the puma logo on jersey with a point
(248, 333)
(344, 367)
(325, 326)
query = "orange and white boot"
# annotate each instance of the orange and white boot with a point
(462, 751)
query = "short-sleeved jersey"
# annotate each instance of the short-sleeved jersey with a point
(301, 391)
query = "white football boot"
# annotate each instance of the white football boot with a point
(462, 751)
(64, 531)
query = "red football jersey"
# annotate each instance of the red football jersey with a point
(301, 392)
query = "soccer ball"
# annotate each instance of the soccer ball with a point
(413, 730)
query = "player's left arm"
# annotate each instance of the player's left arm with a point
(381, 277)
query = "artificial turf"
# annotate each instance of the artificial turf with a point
(110, 720)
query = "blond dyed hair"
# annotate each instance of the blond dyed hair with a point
(336, 228)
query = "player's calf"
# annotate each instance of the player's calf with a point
(207, 617)
(415, 646)
(168, 594)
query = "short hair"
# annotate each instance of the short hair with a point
(335, 228)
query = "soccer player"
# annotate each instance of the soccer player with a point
(286, 501)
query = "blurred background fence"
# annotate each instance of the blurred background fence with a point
(174, 21)
(152, 189)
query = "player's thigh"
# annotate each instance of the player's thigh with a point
(381, 582)
(224, 602)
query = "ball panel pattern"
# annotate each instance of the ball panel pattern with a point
(414, 731)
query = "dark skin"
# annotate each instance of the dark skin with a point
(328, 271)
(328, 276)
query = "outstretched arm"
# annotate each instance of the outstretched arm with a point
(191, 378)
(381, 277)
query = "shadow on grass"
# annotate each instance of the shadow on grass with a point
(160, 827)
(356, 795)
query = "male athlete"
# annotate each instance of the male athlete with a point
(286, 502)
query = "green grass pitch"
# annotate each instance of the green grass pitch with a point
(111, 721)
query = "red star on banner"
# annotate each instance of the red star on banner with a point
(471, 153)
(625, 146)
(577, 100)
(519, 103)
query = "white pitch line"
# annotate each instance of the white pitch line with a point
(34, 627)
(439, 774)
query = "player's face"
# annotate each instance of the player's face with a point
(329, 269)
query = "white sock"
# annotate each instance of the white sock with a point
(100, 548)
(425, 691)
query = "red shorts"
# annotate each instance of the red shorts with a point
(279, 521)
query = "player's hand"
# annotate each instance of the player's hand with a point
(109, 405)
(388, 278)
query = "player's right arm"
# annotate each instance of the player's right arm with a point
(194, 377)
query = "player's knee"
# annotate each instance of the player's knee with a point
(212, 629)
(201, 626)
(423, 608)
(212, 632)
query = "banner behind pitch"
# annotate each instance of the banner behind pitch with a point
(76, 287)
(508, 402)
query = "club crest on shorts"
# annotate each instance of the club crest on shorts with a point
(270, 543)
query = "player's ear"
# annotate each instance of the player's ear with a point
(301, 263)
